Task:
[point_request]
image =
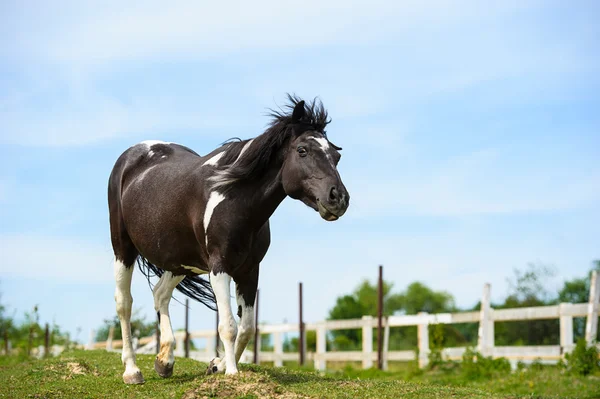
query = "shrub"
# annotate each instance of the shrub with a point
(583, 360)
(475, 365)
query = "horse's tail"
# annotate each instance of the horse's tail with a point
(194, 287)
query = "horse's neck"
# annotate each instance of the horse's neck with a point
(261, 198)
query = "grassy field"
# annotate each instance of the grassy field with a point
(97, 374)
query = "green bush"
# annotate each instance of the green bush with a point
(476, 366)
(583, 360)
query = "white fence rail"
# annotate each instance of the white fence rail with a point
(486, 317)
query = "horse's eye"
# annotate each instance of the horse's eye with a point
(302, 151)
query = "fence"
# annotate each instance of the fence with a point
(486, 318)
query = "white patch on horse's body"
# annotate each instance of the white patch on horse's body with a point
(124, 302)
(163, 290)
(194, 269)
(227, 326)
(214, 200)
(243, 150)
(214, 159)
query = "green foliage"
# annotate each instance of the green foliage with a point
(583, 360)
(436, 334)
(476, 366)
(29, 334)
(578, 291)
(291, 345)
(139, 327)
(363, 301)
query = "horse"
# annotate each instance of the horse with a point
(183, 216)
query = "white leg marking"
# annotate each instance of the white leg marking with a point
(124, 301)
(243, 150)
(214, 160)
(227, 326)
(163, 290)
(214, 200)
(246, 328)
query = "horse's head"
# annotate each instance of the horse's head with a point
(310, 167)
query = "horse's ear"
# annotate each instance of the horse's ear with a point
(299, 112)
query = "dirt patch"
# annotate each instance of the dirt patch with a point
(71, 369)
(244, 385)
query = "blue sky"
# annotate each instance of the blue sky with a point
(471, 137)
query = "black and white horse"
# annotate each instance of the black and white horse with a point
(182, 215)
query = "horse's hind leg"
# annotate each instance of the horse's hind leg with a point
(124, 300)
(162, 296)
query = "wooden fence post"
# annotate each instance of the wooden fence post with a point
(47, 341)
(367, 342)
(109, 340)
(423, 337)
(386, 344)
(320, 363)
(591, 324)
(278, 349)
(92, 339)
(485, 336)
(301, 337)
(186, 339)
(210, 347)
(256, 331)
(6, 350)
(380, 319)
(566, 329)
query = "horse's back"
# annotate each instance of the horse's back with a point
(149, 195)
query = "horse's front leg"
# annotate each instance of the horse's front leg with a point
(246, 295)
(220, 282)
(163, 292)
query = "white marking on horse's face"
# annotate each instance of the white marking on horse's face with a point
(194, 269)
(322, 142)
(244, 149)
(214, 199)
(214, 160)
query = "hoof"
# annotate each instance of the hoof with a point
(135, 378)
(213, 366)
(165, 371)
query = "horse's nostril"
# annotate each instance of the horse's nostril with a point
(333, 195)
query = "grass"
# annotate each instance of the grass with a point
(97, 374)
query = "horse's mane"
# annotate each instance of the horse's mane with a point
(259, 154)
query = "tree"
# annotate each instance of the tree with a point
(363, 301)
(528, 288)
(578, 291)
(139, 327)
